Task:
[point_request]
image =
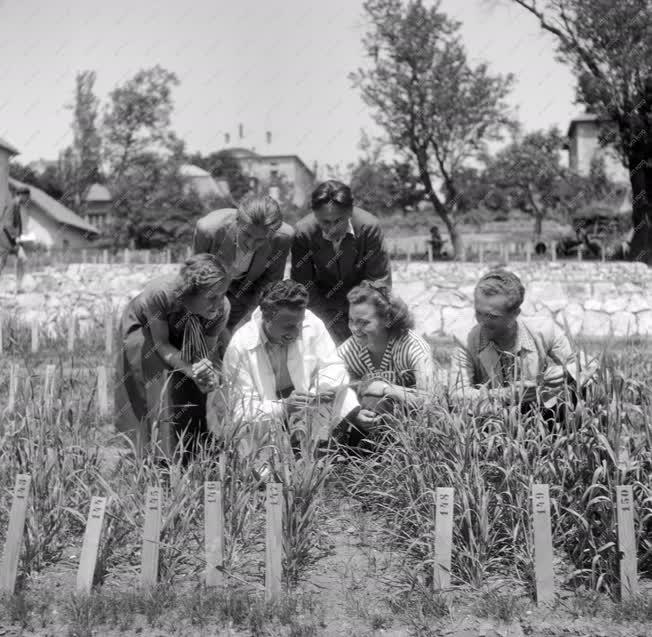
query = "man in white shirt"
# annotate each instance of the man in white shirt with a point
(284, 368)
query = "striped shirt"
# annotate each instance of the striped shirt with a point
(407, 361)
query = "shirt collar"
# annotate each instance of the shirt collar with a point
(349, 230)
(524, 341)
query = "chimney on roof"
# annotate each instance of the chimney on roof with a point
(227, 138)
(268, 136)
(240, 131)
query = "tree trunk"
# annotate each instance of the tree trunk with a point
(538, 226)
(440, 208)
(640, 174)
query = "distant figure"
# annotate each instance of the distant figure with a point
(391, 365)
(173, 325)
(335, 248)
(436, 242)
(540, 248)
(508, 358)
(253, 243)
(11, 224)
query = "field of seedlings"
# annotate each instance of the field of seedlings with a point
(361, 542)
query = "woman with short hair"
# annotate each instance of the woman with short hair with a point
(173, 325)
(387, 359)
(253, 242)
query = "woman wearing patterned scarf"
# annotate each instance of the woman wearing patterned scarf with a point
(173, 325)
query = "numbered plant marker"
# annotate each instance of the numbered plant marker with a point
(626, 541)
(14, 539)
(274, 541)
(545, 583)
(213, 532)
(151, 537)
(102, 391)
(444, 507)
(91, 544)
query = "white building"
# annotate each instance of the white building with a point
(583, 146)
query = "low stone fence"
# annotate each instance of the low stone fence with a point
(590, 298)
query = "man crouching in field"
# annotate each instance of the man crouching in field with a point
(511, 359)
(284, 367)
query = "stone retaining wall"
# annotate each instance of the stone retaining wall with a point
(592, 299)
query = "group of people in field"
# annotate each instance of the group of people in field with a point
(333, 335)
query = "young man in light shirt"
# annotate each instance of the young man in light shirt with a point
(511, 359)
(283, 366)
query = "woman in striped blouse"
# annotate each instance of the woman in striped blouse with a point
(389, 362)
(173, 325)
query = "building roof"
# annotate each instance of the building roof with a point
(54, 209)
(239, 152)
(7, 146)
(192, 171)
(97, 193)
(586, 118)
(295, 157)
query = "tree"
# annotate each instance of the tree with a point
(530, 176)
(49, 181)
(222, 165)
(142, 153)
(86, 146)
(432, 105)
(383, 187)
(137, 119)
(609, 47)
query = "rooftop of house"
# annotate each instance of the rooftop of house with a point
(5, 145)
(54, 209)
(97, 193)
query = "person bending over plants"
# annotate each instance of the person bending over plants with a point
(173, 325)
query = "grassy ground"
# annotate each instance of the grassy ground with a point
(357, 534)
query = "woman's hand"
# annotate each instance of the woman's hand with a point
(367, 420)
(205, 375)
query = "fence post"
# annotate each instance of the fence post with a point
(553, 250)
(542, 544)
(71, 333)
(274, 541)
(13, 387)
(151, 537)
(102, 391)
(626, 541)
(168, 255)
(146, 257)
(15, 530)
(108, 332)
(91, 544)
(35, 335)
(528, 251)
(213, 532)
(105, 256)
(444, 510)
(126, 257)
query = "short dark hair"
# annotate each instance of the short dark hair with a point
(283, 294)
(500, 281)
(392, 310)
(200, 273)
(332, 192)
(262, 211)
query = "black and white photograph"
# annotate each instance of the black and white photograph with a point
(326, 318)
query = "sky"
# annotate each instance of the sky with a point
(271, 65)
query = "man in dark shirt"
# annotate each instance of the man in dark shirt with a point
(11, 228)
(335, 248)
